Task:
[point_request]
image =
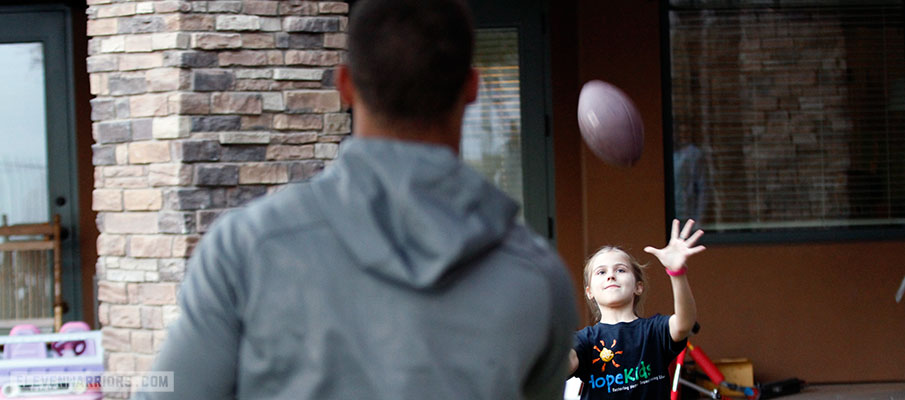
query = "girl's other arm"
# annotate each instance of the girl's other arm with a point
(573, 361)
(673, 257)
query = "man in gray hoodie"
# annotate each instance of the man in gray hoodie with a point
(399, 272)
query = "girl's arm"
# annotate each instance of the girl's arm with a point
(673, 257)
(573, 361)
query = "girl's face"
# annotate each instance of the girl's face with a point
(612, 283)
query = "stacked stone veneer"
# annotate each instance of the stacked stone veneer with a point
(199, 107)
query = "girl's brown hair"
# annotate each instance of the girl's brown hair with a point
(637, 271)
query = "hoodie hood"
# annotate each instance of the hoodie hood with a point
(410, 212)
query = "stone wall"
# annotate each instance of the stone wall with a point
(199, 107)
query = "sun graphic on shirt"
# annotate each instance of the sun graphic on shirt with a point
(606, 355)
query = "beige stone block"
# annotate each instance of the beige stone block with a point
(333, 7)
(113, 44)
(129, 222)
(143, 199)
(103, 314)
(335, 40)
(272, 101)
(189, 22)
(116, 10)
(120, 362)
(115, 339)
(102, 27)
(167, 79)
(298, 122)
(145, 7)
(326, 150)
(98, 84)
(263, 173)
(298, 74)
(138, 43)
(189, 103)
(337, 123)
(121, 153)
(107, 200)
(170, 40)
(323, 58)
(238, 23)
(171, 127)
(261, 7)
(287, 152)
(236, 103)
(139, 61)
(149, 152)
(111, 245)
(138, 264)
(184, 245)
(148, 105)
(126, 183)
(258, 40)
(295, 138)
(169, 175)
(117, 275)
(251, 58)
(316, 101)
(244, 137)
(152, 317)
(112, 292)
(151, 246)
(216, 41)
(144, 363)
(124, 171)
(143, 342)
(132, 289)
(125, 316)
(158, 293)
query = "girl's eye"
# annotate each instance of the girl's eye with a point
(599, 272)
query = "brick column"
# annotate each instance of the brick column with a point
(200, 107)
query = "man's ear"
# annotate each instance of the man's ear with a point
(344, 85)
(471, 86)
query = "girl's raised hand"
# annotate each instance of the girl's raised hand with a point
(680, 246)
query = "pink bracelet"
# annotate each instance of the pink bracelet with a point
(676, 273)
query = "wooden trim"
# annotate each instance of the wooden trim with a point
(27, 229)
(26, 246)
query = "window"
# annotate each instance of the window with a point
(787, 118)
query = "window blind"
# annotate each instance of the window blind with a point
(491, 129)
(788, 114)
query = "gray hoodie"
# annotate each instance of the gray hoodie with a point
(398, 273)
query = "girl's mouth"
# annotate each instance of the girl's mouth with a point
(611, 286)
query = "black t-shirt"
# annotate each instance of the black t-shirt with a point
(628, 360)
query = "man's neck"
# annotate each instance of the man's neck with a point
(443, 132)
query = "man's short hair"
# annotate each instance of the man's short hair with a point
(410, 59)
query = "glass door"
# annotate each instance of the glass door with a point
(37, 160)
(504, 132)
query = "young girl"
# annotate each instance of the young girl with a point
(624, 356)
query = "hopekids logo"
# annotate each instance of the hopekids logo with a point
(625, 380)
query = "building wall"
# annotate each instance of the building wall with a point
(199, 107)
(822, 312)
